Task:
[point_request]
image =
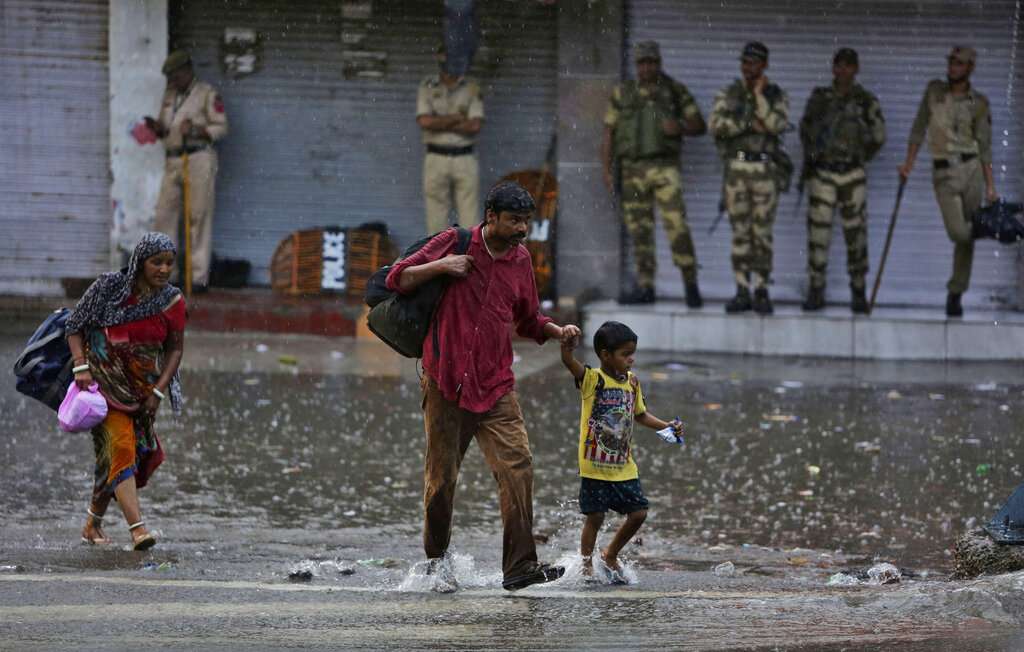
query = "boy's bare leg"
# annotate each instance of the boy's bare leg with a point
(629, 527)
(591, 526)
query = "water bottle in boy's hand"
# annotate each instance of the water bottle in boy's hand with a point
(673, 434)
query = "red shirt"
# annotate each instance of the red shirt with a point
(473, 366)
(152, 329)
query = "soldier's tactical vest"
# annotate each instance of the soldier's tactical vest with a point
(838, 131)
(638, 132)
(739, 103)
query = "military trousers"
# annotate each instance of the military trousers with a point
(959, 190)
(751, 197)
(501, 435)
(644, 184)
(447, 176)
(202, 175)
(847, 191)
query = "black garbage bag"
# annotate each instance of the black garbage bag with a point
(1000, 221)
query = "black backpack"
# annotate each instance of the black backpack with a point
(43, 369)
(402, 320)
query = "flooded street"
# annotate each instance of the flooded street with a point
(305, 454)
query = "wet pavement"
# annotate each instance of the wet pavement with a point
(305, 454)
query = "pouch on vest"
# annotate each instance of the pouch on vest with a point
(402, 320)
(43, 369)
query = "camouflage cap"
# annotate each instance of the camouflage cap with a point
(646, 50)
(846, 55)
(755, 50)
(963, 54)
(175, 60)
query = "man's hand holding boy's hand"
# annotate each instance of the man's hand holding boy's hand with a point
(568, 334)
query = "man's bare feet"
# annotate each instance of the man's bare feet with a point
(611, 562)
(587, 569)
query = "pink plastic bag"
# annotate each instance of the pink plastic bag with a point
(80, 411)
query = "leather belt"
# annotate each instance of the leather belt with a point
(450, 151)
(175, 153)
(753, 157)
(838, 167)
(943, 163)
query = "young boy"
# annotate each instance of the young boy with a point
(612, 401)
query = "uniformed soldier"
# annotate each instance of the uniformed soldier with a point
(450, 112)
(958, 123)
(191, 119)
(842, 129)
(644, 128)
(747, 121)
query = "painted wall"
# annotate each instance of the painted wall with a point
(138, 47)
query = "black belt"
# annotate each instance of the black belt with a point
(839, 167)
(753, 157)
(175, 153)
(450, 151)
(943, 163)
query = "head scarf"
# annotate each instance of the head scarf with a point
(103, 304)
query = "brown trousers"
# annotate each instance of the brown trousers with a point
(501, 435)
(202, 174)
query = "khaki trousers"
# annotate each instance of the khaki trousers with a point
(959, 190)
(202, 173)
(444, 176)
(501, 435)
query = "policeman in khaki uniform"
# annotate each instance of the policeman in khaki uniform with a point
(191, 119)
(747, 121)
(450, 112)
(842, 129)
(958, 123)
(644, 127)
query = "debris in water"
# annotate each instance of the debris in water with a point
(982, 470)
(884, 573)
(288, 359)
(301, 575)
(893, 395)
(262, 348)
(867, 447)
(712, 406)
(986, 387)
(726, 569)
(842, 579)
(813, 470)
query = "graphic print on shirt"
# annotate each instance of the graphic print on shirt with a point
(610, 427)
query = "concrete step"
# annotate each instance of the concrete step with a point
(888, 334)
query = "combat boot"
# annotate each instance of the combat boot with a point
(858, 301)
(953, 307)
(815, 299)
(639, 295)
(740, 302)
(693, 298)
(762, 304)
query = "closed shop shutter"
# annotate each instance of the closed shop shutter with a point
(902, 45)
(310, 148)
(54, 117)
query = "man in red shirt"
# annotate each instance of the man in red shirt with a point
(468, 385)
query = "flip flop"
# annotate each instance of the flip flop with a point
(145, 542)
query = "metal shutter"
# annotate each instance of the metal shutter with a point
(54, 114)
(310, 148)
(902, 45)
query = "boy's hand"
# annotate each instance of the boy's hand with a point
(571, 343)
(677, 427)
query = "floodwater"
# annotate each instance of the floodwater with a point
(306, 455)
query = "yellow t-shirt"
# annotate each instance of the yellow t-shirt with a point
(606, 426)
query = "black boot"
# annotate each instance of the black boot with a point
(740, 302)
(953, 307)
(858, 301)
(639, 295)
(815, 299)
(693, 298)
(762, 304)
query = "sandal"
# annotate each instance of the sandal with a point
(145, 542)
(95, 523)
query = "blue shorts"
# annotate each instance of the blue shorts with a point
(624, 497)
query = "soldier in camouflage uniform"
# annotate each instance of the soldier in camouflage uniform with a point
(644, 128)
(747, 121)
(842, 129)
(958, 123)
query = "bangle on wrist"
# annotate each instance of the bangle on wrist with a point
(158, 394)
(80, 368)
